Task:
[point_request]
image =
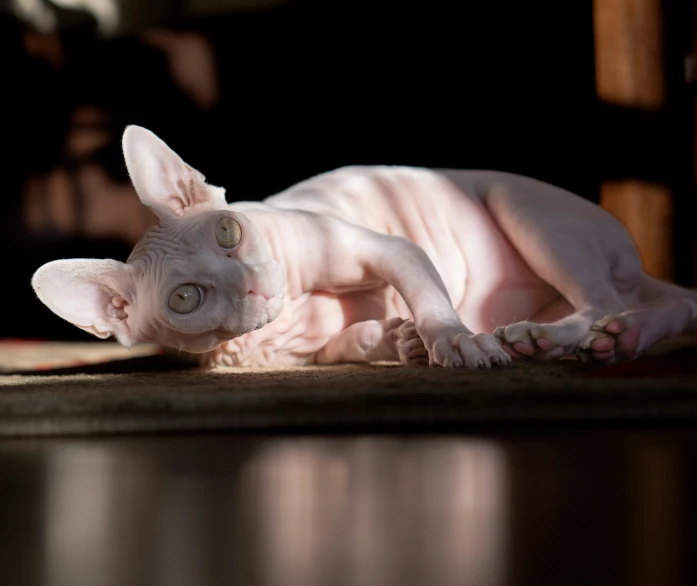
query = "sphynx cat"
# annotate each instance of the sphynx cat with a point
(367, 264)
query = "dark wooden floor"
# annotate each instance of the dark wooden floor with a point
(584, 507)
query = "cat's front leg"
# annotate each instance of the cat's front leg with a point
(391, 340)
(406, 267)
(341, 254)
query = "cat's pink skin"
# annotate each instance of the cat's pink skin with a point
(369, 264)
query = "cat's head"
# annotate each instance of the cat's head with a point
(203, 275)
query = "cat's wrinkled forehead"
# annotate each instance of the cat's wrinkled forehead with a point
(174, 233)
(171, 241)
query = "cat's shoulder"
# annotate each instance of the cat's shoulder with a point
(340, 192)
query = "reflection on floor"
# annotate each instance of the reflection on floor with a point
(565, 507)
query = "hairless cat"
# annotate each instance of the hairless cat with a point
(367, 264)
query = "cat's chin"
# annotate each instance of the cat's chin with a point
(270, 312)
(267, 312)
(274, 307)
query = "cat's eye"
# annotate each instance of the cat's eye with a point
(228, 232)
(185, 298)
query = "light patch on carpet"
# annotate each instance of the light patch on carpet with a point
(16, 355)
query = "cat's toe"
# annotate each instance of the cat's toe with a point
(410, 347)
(624, 335)
(597, 346)
(525, 348)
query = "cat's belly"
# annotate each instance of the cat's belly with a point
(489, 282)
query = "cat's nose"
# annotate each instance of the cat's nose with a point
(252, 284)
(259, 280)
(257, 291)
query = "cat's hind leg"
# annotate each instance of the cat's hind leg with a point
(392, 340)
(663, 311)
(577, 248)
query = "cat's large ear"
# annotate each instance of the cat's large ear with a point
(162, 179)
(89, 293)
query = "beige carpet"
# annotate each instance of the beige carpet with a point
(89, 388)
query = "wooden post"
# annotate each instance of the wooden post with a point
(629, 73)
(629, 53)
(646, 209)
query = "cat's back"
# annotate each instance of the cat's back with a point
(440, 210)
(394, 200)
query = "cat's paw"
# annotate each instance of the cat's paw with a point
(409, 345)
(463, 349)
(611, 339)
(531, 340)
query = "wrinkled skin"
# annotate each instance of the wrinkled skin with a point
(369, 264)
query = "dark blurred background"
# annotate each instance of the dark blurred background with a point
(259, 94)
